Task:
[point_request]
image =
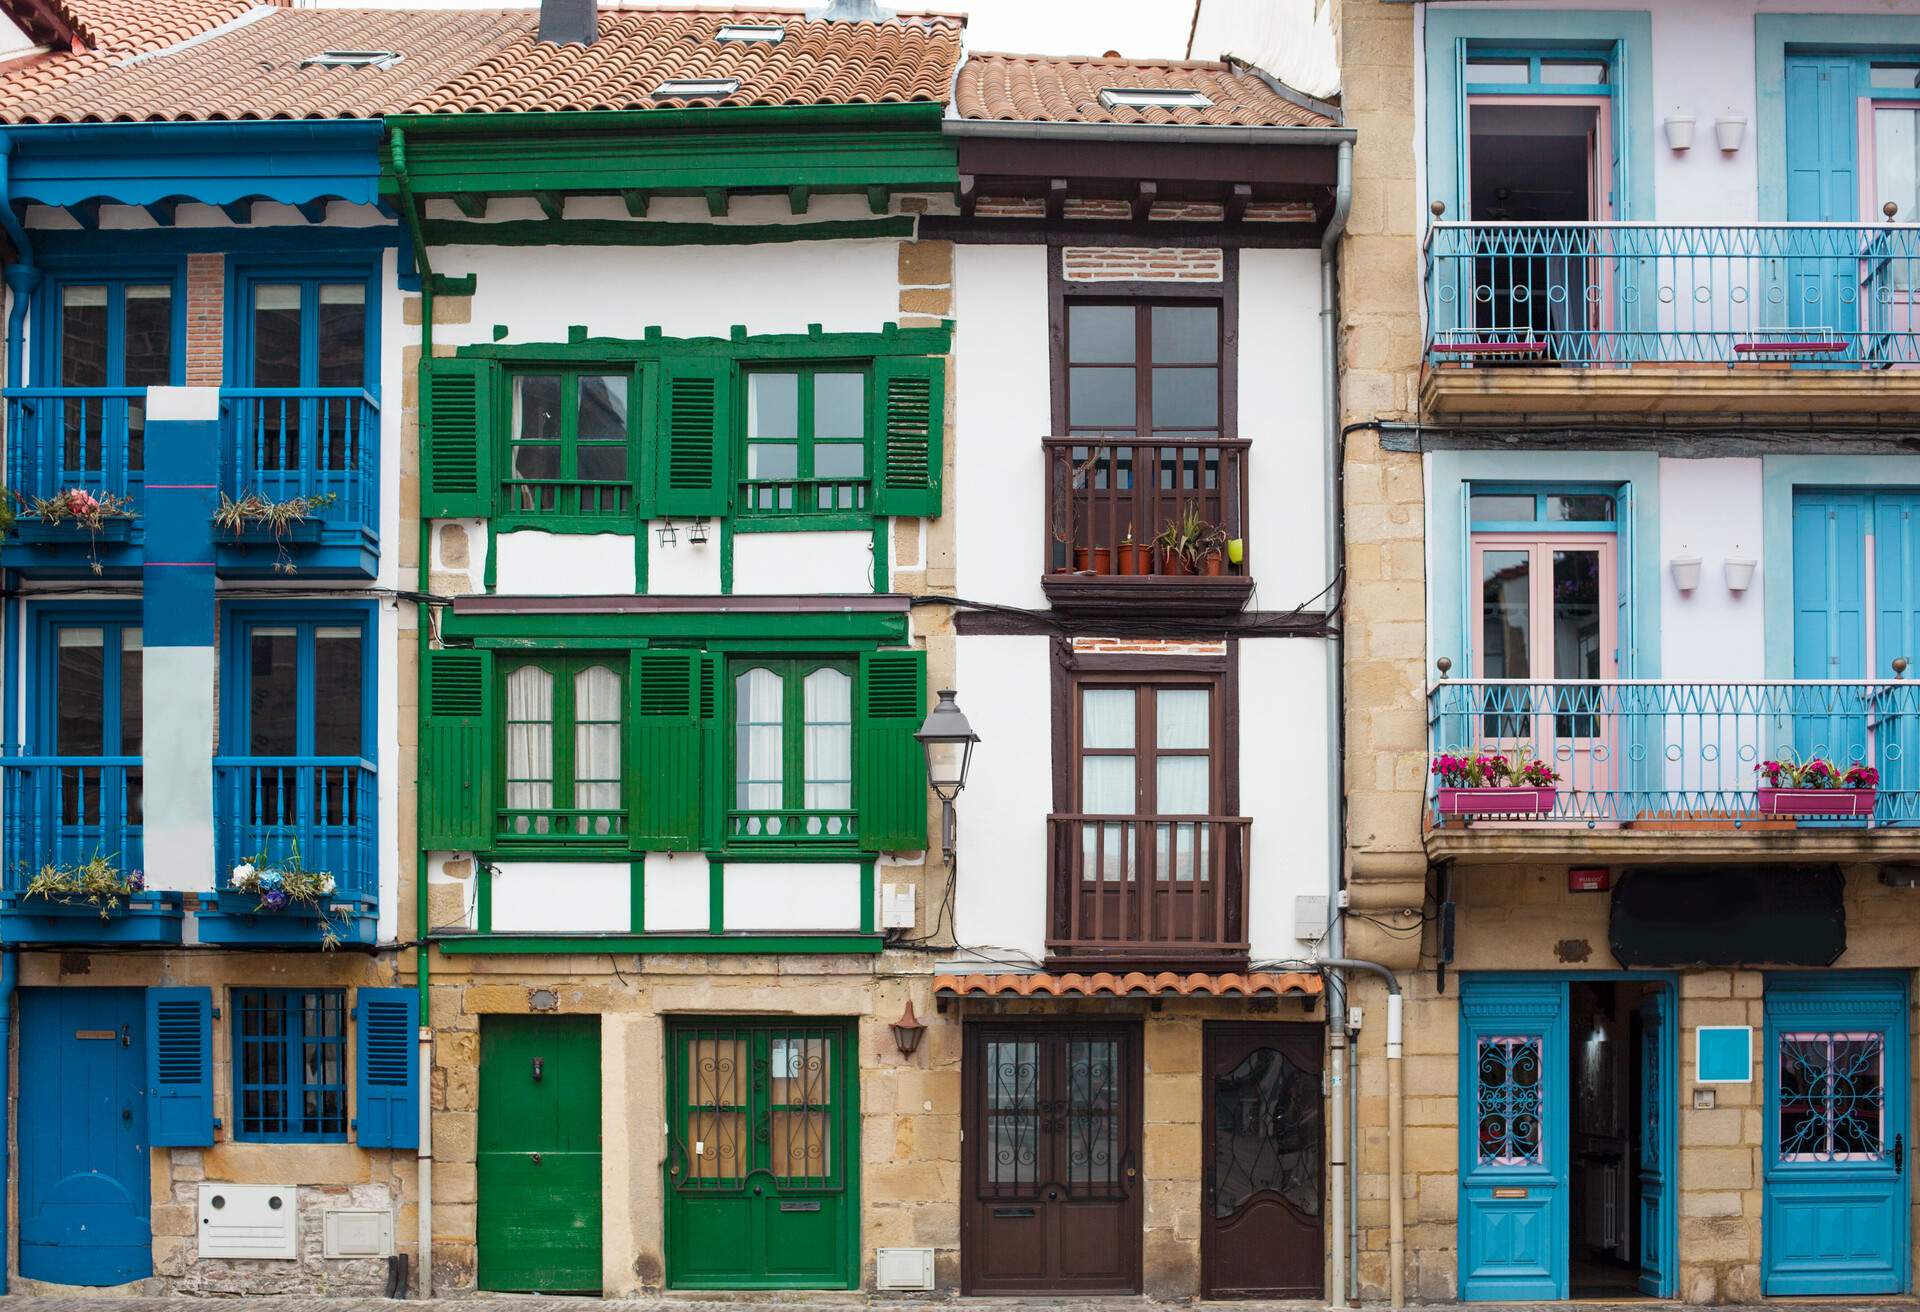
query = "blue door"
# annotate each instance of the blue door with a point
(1822, 283)
(1834, 1209)
(1513, 1139)
(1653, 1148)
(84, 1173)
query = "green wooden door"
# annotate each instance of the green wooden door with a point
(763, 1155)
(539, 1153)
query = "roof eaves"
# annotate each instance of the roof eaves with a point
(1179, 133)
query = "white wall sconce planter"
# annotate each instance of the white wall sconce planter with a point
(1730, 131)
(1686, 572)
(1680, 131)
(1739, 573)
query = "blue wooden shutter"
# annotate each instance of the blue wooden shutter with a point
(1626, 654)
(456, 751)
(909, 410)
(695, 444)
(1896, 582)
(1458, 204)
(1822, 182)
(664, 730)
(386, 1068)
(180, 1067)
(456, 438)
(890, 774)
(1829, 553)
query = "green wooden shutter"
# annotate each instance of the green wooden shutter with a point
(890, 771)
(456, 752)
(696, 436)
(716, 792)
(664, 728)
(909, 405)
(456, 438)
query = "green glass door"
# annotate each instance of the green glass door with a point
(762, 1155)
(539, 1153)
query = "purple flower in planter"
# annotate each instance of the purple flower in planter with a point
(273, 899)
(137, 881)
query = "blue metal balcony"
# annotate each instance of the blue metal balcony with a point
(325, 806)
(1651, 755)
(1587, 295)
(282, 443)
(64, 811)
(60, 439)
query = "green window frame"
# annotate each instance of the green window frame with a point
(801, 451)
(561, 750)
(792, 749)
(570, 444)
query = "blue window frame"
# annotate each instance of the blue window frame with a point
(299, 680)
(1513, 508)
(1556, 70)
(290, 1065)
(85, 722)
(305, 325)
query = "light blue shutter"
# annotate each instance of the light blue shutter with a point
(180, 1067)
(1896, 582)
(1829, 552)
(386, 1068)
(1626, 654)
(1469, 592)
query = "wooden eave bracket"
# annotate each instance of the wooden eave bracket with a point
(1143, 200)
(969, 195)
(1238, 198)
(1056, 199)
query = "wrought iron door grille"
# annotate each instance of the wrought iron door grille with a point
(757, 1101)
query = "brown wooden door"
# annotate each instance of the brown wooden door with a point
(1050, 1179)
(1261, 1234)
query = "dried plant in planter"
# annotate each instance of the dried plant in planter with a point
(78, 506)
(97, 882)
(277, 517)
(286, 883)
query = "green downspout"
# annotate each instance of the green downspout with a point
(421, 951)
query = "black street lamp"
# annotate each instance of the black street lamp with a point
(948, 738)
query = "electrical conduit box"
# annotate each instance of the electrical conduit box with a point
(903, 1268)
(249, 1221)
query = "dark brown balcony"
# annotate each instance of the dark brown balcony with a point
(1159, 892)
(1114, 502)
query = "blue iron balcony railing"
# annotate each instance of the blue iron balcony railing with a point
(66, 810)
(288, 442)
(326, 805)
(61, 438)
(1637, 751)
(1612, 294)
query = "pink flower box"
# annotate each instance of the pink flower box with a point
(1817, 801)
(1496, 801)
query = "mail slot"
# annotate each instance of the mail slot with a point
(1509, 1192)
(800, 1207)
(1013, 1211)
(96, 1034)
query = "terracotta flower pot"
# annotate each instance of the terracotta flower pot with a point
(1135, 558)
(1172, 562)
(1094, 560)
(1213, 564)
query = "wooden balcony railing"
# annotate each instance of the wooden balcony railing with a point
(1158, 890)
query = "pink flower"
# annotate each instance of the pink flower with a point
(81, 502)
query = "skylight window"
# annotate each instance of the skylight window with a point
(696, 88)
(1154, 98)
(768, 33)
(352, 59)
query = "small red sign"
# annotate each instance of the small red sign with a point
(1590, 880)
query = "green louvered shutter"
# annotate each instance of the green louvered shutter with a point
(696, 436)
(891, 772)
(456, 438)
(664, 728)
(456, 752)
(716, 786)
(909, 405)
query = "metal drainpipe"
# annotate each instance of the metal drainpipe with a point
(1396, 1122)
(423, 1207)
(1339, 1165)
(8, 967)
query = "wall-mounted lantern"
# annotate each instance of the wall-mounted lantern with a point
(948, 739)
(908, 1031)
(669, 535)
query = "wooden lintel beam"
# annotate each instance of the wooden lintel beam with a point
(1143, 201)
(877, 199)
(162, 211)
(969, 195)
(1238, 199)
(799, 198)
(717, 201)
(240, 211)
(552, 204)
(472, 205)
(1056, 199)
(313, 211)
(636, 201)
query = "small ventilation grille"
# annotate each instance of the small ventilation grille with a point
(389, 1043)
(666, 683)
(1154, 98)
(453, 403)
(459, 684)
(762, 33)
(696, 88)
(352, 59)
(893, 686)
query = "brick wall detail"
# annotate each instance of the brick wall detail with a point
(1143, 264)
(1148, 647)
(206, 319)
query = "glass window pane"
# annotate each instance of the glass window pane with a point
(132, 692)
(343, 335)
(1186, 334)
(1100, 334)
(1508, 1093)
(839, 405)
(828, 748)
(1186, 398)
(336, 691)
(147, 359)
(758, 697)
(536, 408)
(276, 335)
(529, 739)
(1591, 508)
(83, 336)
(1100, 398)
(80, 692)
(773, 460)
(840, 460)
(1181, 785)
(1576, 615)
(1898, 77)
(773, 405)
(1896, 177)
(1107, 786)
(1106, 717)
(1182, 718)
(1506, 614)
(273, 679)
(602, 408)
(596, 745)
(1507, 72)
(1503, 507)
(1572, 72)
(602, 463)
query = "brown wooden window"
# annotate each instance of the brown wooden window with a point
(1146, 746)
(1139, 368)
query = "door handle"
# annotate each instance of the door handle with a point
(536, 1159)
(126, 1113)
(1899, 1154)
(539, 1069)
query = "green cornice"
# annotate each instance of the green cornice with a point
(715, 629)
(812, 345)
(620, 232)
(588, 944)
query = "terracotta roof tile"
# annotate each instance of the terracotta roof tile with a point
(458, 61)
(1103, 984)
(1050, 89)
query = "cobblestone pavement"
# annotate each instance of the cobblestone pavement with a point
(841, 1302)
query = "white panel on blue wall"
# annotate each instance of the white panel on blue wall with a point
(796, 896)
(562, 897)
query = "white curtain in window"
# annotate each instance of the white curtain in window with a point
(1108, 783)
(596, 742)
(1182, 784)
(829, 741)
(529, 739)
(757, 698)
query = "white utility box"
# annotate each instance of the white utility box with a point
(357, 1233)
(903, 1268)
(896, 906)
(249, 1220)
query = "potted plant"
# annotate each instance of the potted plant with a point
(1176, 542)
(1093, 560)
(1489, 782)
(83, 509)
(1815, 787)
(1135, 557)
(280, 520)
(97, 882)
(288, 883)
(1210, 551)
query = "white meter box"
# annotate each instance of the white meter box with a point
(249, 1221)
